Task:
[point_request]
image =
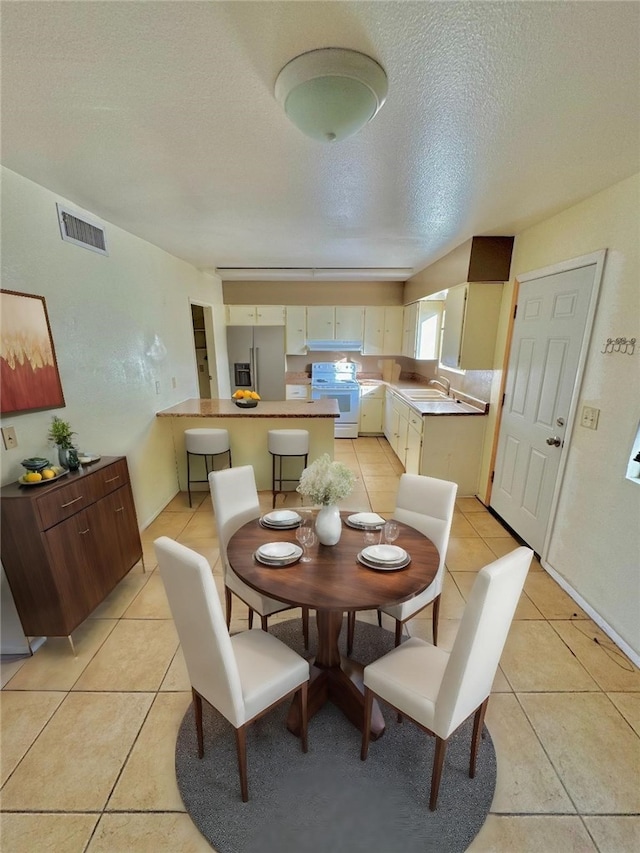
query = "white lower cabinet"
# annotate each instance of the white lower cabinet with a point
(371, 409)
(452, 449)
(297, 392)
(448, 447)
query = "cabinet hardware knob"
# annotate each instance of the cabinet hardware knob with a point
(75, 500)
(82, 532)
(120, 509)
(117, 477)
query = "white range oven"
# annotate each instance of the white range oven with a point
(337, 381)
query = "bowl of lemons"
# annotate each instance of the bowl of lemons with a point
(246, 399)
(42, 475)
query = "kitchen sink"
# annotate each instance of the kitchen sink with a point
(425, 394)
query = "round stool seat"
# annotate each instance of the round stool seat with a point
(288, 442)
(206, 441)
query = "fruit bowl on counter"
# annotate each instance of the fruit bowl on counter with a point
(46, 474)
(246, 399)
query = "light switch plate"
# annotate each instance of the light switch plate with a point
(9, 438)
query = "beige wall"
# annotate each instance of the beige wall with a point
(313, 292)
(595, 544)
(104, 312)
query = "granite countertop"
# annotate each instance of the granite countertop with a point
(457, 404)
(200, 408)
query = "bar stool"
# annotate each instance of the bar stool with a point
(208, 443)
(286, 443)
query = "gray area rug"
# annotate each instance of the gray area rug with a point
(329, 800)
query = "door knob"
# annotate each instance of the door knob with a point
(554, 441)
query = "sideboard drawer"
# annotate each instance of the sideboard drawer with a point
(109, 479)
(65, 501)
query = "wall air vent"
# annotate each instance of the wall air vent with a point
(78, 229)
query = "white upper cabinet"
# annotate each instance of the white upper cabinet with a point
(340, 323)
(296, 330)
(349, 323)
(382, 330)
(255, 315)
(472, 311)
(410, 329)
(321, 322)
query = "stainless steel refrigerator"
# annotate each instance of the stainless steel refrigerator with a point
(257, 360)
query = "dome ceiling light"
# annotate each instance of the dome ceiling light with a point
(331, 93)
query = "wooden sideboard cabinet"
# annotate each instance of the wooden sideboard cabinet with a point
(65, 545)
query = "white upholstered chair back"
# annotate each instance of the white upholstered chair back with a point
(480, 640)
(427, 504)
(197, 613)
(235, 502)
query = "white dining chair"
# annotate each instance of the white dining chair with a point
(426, 504)
(242, 676)
(235, 502)
(439, 690)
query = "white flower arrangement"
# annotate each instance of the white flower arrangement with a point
(326, 482)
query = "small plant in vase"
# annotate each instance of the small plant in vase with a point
(61, 434)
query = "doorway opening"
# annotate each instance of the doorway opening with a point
(202, 323)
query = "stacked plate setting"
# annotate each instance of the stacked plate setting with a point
(365, 521)
(278, 553)
(281, 519)
(384, 558)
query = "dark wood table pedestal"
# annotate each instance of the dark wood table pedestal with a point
(336, 679)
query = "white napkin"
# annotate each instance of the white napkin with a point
(366, 518)
(282, 516)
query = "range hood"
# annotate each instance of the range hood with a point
(334, 346)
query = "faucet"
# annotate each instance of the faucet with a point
(444, 383)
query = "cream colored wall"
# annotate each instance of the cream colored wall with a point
(595, 543)
(313, 292)
(104, 312)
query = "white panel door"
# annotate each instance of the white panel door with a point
(548, 335)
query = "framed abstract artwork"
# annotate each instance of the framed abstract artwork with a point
(28, 369)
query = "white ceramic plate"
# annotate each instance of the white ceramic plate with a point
(366, 519)
(383, 567)
(86, 458)
(277, 550)
(281, 516)
(285, 561)
(384, 554)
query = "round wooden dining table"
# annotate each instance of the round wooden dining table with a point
(331, 583)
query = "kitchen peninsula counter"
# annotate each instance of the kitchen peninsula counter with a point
(248, 431)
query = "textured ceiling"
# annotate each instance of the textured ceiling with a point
(160, 117)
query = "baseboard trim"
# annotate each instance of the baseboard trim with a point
(633, 656)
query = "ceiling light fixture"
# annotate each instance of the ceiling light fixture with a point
(331, 93)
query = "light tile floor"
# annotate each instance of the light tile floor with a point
(88, 741)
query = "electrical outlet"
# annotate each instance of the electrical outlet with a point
(174, 384)
(590, 417)
(157, 386)
(9, 438)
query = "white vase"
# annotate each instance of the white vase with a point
(329, 525)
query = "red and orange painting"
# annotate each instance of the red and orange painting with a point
(28, 370)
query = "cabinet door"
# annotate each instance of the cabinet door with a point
(349, 322)
(453, 322)
(296, 330)
(409, 330)
(320, 323)
(269, 315)
(414, 448)
(77, 567)
(371, 414)
(393, 325)
(387, 423)
(241, 315)
(115, 520)
(373, 340)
